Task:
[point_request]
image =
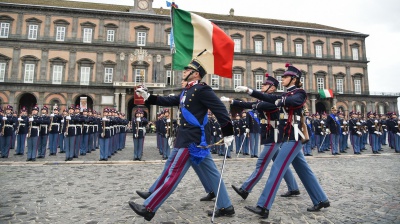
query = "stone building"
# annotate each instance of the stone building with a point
(60, 52)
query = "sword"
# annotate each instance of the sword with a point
(322, 143)
(241, 146)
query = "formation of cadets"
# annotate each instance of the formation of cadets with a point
(332, 132)
(76, 133)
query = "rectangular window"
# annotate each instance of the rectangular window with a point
(2, 71)
(259, 81)
(57, 74)
(320, 83)
(4, 30)
(302, 81)
(169, 39)
(280, 87)
(108, 75)
(237, 80)
(238, 43)
(337, 52)
(29, 73)
(85, 75)
(279, 48)
(318, 51)
(60, 35)
(355, 53)
(258, 47)
(299, 49)
(110, 35)
(141, 39)
(381, 109)
(358, 108)
(87, 35)
(32, 33)
(357, 86)
(339, 85)
(139, 75)
(168, 76)
(214, 81)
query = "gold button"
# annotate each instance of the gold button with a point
(192, 94)
(195, 89)
(187, 105)
(190, 99)
(184, 124)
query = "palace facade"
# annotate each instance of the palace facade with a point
(56, 52)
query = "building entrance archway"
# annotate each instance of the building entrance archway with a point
(82, 104)
(27, 100)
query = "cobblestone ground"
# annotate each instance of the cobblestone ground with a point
(362, 189)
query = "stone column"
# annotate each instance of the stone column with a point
(47, 24)
(20, 21)
(43, 66)
(123, 102)
(310, 76)
(248, 74)
(15, 70)
(308, 46)
(313, 99)
(75, 28)
(116, 100)
(346, 50)
(348, 86)
(72, 66)
(289, 44)
(269, 43)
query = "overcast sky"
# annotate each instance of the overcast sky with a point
(380, 19)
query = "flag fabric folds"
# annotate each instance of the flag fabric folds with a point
(325, 93)
(193, 34)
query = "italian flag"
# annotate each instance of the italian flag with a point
(326, 93)
(193, 34)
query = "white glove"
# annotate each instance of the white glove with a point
(31, 119)
(328, 131)
(344, 133)
(166, 135)
(358, 123)
(143, 92)
(171, 142)
(344, 122)
(220, 136)
(385, 129)
(62, 121)
(214, 133)
(105, 119)
(68, 117)
(375, 121)
(277, 102)
(51, 115)
(322, 122)
(241, 89)
(4, 118)
(228, 140)
(376, 132)
(322, 133)
(138, 119)
(359, 132)
(20, 119)
(398, 133)
(380, 133)
(224, 99)
(168, 120)
(247, 130)
(238, 135)
(135, 135)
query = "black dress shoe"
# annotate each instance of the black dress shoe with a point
(317, 207)
(290, 193)
(143, 194)
(241, 192)
(229, 211)
(141, 210)
(209, 197)
(343, 152)
(263, 212)
(255, 156)
(28, 159)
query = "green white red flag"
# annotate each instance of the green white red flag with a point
(326, 93)
(193, 34)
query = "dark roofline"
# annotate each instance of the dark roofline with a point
(167, 18)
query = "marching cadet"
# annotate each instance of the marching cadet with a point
(290, 104)
(390, 125)
(373, 131)
(97, 134)
(105, 135)
(6, 131)
(15, 127)
(307, 146)
(395, 122)
(70, 130)
(254, 136)
(158, 132)
(86, 122)
(237, 127)
(139, 132)
(194, 102)
(344, 126)
(326, 142)
(33, 134)
(61, 136)
(122, 131)
(355, 132)
(78, 124)
(312, 137)
(364, 136)
(22, 130)
(54, 129)
(44, 132)
(333, 129)
(269, 115)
